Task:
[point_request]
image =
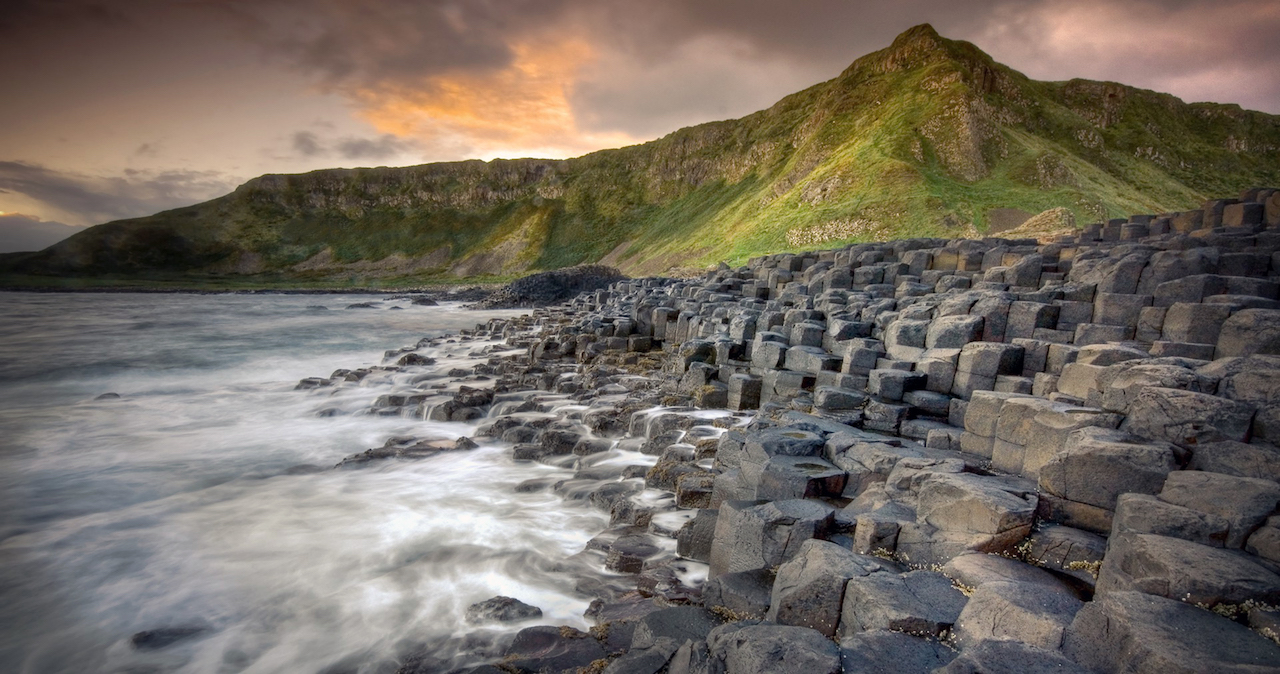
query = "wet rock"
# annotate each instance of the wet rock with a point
(411, 359)
(628, 554)
(695, 537)
(547, 648)
(501, 609)
(746, 594)
(680, 623)
(163, 637)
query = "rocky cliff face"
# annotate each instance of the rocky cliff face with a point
(922, 138)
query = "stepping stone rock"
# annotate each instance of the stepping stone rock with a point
(1011, 657)
(1243, 501)
(549, 648)
(1187, 418)
(754, 535)
(1178, 569)
(1030, 613)
(809, 588)
(766, 648)
(1145, 634)
(1098, 464)
(885, 652)
(501, 609)
(923, 603)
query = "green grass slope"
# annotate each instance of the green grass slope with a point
(923, 138)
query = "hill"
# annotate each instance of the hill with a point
(928, 137)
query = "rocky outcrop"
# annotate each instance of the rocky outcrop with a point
(973, 454)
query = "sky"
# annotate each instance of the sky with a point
(120, 108)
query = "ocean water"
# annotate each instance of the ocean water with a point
(181, 503)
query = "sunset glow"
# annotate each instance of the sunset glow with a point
(520, 110)
(141, 106)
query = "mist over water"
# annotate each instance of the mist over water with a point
(180, 504)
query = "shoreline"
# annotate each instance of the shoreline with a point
(913, 438)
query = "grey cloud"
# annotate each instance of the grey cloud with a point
(307, 144)
(383, 147)
(93, 199)
(386, 146)
(20, 232)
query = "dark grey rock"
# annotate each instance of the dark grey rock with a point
(766, 648)
(1011, 657)
(501, 609)
(1178, 569)
(548, 648)
(809, 588)
(1030, 613)
(1146, 634)
(1244, 502)
(923, 603)
(886, 652)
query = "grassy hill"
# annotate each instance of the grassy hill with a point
(926, 137)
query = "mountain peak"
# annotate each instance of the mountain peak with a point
(920, 35)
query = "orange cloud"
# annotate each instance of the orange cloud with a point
(520, 110)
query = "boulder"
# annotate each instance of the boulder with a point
(1011, 657)
(977, 569)
(923, 603)
(1248, 332)
(1143, 514)
(753, 535)
(744, 593)
(549, 648)
(1030, 613)
(1178, 569)
(886, 652)
(1145, 634)
(1186, 417)
(1098, 464)
(1237, 458)
(967, 502)
(953, 332)
(809, 588)
(1243, 502)
(501, 609)
(766, 648)
(680, 623)
(1069, 551)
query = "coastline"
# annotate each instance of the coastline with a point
(876, 450)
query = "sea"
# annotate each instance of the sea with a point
(168, 501)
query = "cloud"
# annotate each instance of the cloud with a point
(382, 147)
(307, 144)
(355, 148)
(93, 199)
(561, 77)
(1222, 51)
(20, 232)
